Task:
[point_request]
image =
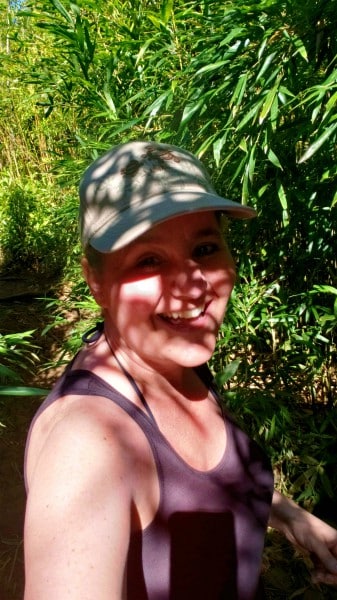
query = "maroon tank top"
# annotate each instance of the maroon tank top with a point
(207, 538)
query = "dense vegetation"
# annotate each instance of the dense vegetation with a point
(252, 89)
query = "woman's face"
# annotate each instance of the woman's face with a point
(165, 294)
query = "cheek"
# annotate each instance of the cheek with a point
(224, 280)
(145, 293)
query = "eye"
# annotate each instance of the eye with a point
(205, 249)
(148, 263)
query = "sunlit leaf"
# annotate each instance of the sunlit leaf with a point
(268, 61)
(212, 67)
(166, 10)
(300, 48)
(267, 104)
(330, 105)
(251, 163)
(22, 391)
(329, 289)
(142, 50)
(61, 9)
(318, 143)
(273, 159)
(250, 116)
(239, 91)
(228, 372)
(282, 196)
(190, 109)
(217, 147)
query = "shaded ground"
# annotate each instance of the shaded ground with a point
(285, 574)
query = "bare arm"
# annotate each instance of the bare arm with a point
(309, 533)
(77, 523)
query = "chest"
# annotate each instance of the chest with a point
(197, 539)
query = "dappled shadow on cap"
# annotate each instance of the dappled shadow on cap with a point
(137, 185)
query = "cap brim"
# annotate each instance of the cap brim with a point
(130, 224)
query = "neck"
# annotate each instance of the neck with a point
(171, 379)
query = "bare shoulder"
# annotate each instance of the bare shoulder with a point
(82, 487)
(87, 431)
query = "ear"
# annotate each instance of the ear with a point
(94, 281)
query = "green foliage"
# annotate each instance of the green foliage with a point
(35, 232)
(16, 348)
(277, 372)
(80, 301)
(280, 342)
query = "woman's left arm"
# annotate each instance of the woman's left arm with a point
(310, 534)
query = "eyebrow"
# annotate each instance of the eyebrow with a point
(207, 231)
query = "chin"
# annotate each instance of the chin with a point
(193, 357)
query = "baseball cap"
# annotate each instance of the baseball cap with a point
(139, 184)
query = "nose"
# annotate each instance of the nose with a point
(188, 281)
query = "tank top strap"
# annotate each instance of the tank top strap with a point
(136, 388)
(92, 336)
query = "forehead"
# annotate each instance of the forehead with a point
(196, 224)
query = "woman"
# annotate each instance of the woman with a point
(139, 484)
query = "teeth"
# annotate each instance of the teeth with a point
(187, 314)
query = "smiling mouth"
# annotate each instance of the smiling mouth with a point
(194, 313)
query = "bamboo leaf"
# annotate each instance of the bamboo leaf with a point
(273, 159)
(234, 33)
(316, 112)
(22, 391)
(212, 67)
(266, 107)
(318, 143)
(327, 289)
(262, 48)
(251, 163)
(300, 48)
(265, 65)
(283, 93)
(142, 50)
(153, 109)
(166, 10)
(243, 145)
(217, 147)
(245, 187)
(283, 200)
(239, 91)
(8, 373)
(190, 109)
(330, 105)
(274, 113)
(61, 9)
(251, 115)
(110, 103)
(228, 372)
